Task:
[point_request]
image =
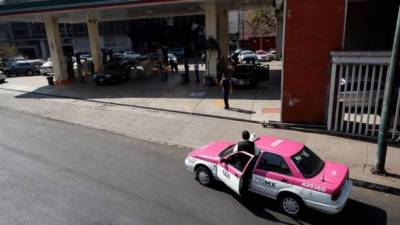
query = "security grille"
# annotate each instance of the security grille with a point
(357, 86)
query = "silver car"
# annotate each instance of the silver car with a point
(46, 68)
(360, 94)
(2, 77)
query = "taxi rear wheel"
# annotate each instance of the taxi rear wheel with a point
(204, 176)
(291, 204)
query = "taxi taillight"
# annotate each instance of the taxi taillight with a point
(336, 195)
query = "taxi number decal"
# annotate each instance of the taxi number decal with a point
(226, 174)
(312, 186)
(276, 143)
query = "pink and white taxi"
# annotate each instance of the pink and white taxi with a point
(284, 170)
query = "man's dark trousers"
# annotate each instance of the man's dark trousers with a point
(197, 76)
(226, 97)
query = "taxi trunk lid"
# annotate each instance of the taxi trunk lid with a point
(333, 176)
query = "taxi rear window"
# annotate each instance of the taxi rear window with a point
(308, 162)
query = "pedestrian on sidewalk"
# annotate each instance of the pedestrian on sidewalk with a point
(162, 67)
(187, 71)
(196, 71)
(172, 66)
(175, 66)
(226, 84)
(203, 58)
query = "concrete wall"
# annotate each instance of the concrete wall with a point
(313, 29)
(255, 43)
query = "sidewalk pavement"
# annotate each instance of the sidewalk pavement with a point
(261, 104)
(193, 131)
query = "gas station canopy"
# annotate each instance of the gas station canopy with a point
(91, 12)
(76, 11)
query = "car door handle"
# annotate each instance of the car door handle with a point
(236, 175)
(285, 181)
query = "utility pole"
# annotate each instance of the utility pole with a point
(243, 15)
(381, 150)
(238, 23)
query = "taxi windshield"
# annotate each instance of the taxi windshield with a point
(308, 162)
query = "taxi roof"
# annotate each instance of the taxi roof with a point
(278, 146)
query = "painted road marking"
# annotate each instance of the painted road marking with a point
(270, 110)
(219, 102)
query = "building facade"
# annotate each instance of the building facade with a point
(30, 38)
(243, 35)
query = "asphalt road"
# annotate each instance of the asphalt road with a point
(57, 173)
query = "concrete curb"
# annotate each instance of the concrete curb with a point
(376, 187)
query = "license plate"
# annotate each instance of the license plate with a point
(241, 82)
(101, 79)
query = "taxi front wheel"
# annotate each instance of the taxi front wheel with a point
(204, 176)
(291, 204)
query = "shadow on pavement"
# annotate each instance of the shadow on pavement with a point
(153, 87)
(392, 175)
(241, 111)
(354, 213)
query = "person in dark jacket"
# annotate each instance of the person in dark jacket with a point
(196, 71)
(226, 84)
(245, 145)
(186, 70)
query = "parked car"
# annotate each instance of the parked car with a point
(3, 64)
(130, 55)
(351, 99)
(86, 60)
(2, 77)
(47, 67)
(15, 59)
(178, 52)
(237, 51)
(248, 75)
(266, 56)
(262, 56)
(247, 56)
(234, 57)
(153, 56)
(85, 56)
(271, 54)
(117, 55)
(173, 58)
(28, 67)
(285, 170)
(156, 56)
(113, 73)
